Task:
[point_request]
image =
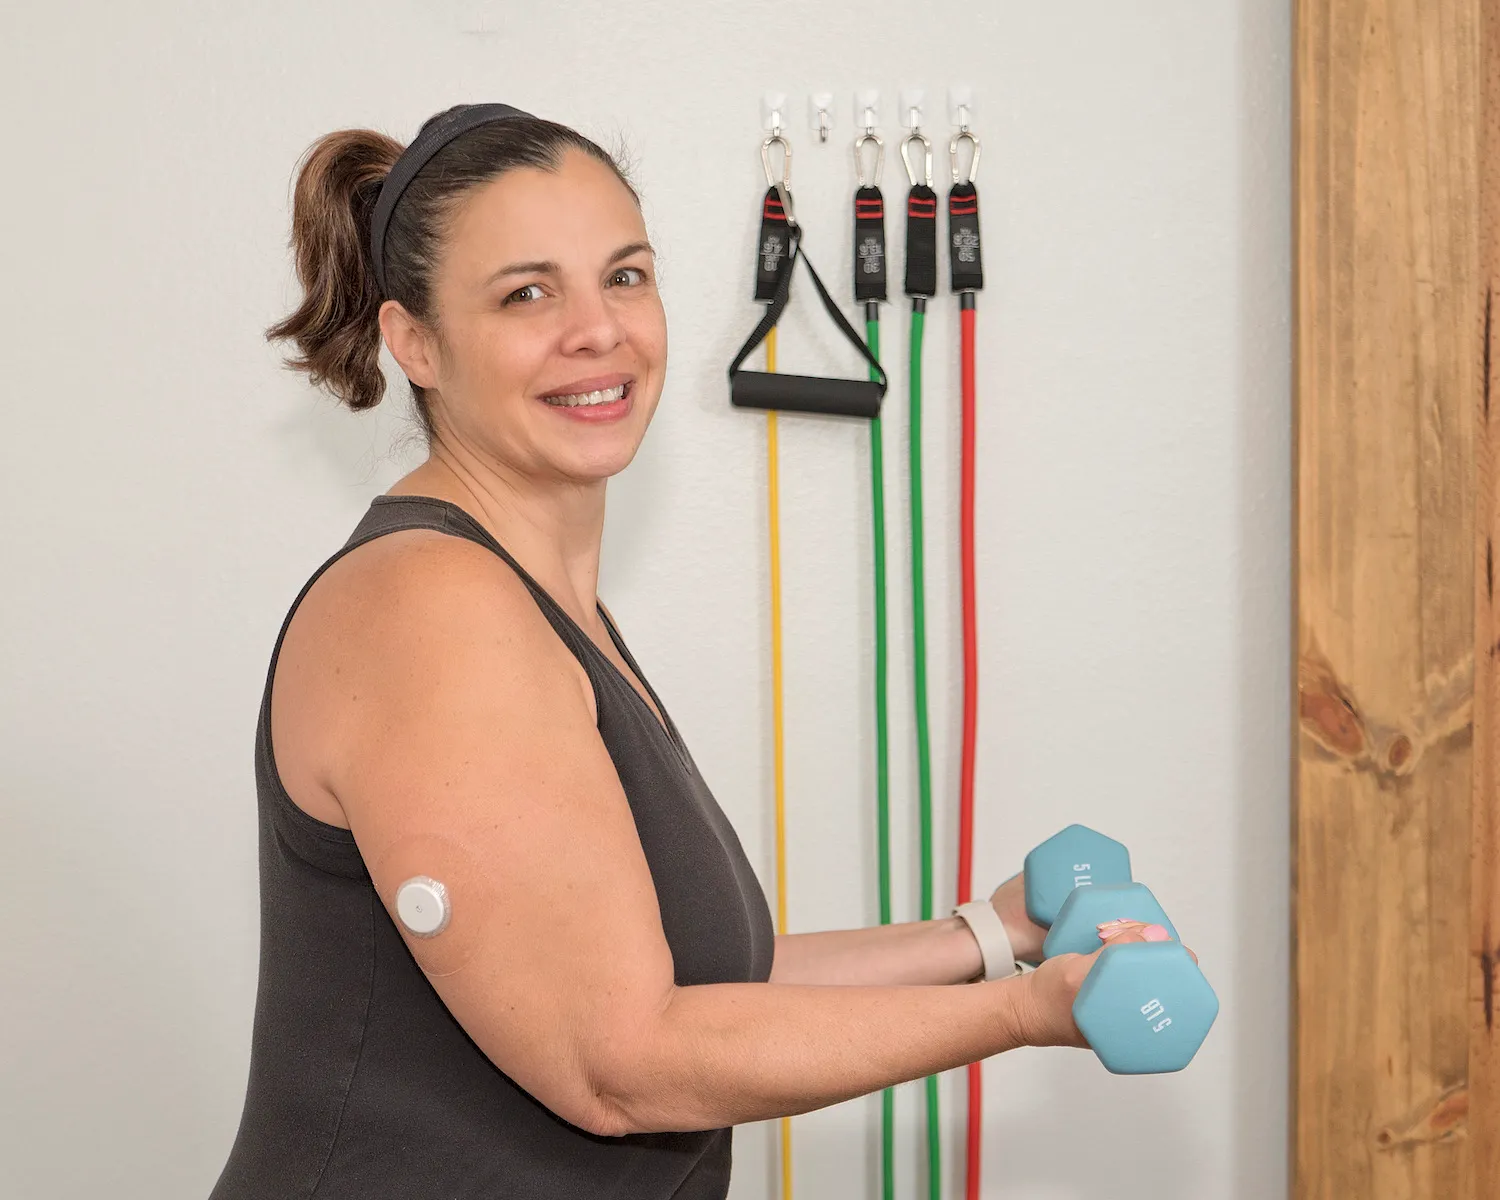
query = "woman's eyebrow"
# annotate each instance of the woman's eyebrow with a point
(634, 248)
(551, 268)
(523, 268)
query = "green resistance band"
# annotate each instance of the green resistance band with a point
(882, 736)
(919, 660)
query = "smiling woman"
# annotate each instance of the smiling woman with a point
(510, 944)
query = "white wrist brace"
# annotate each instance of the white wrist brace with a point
(994, 942)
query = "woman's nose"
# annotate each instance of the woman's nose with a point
(591, 324)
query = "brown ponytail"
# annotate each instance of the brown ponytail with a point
(336, 327)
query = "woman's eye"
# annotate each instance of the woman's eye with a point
(626, 276)
(531, 292)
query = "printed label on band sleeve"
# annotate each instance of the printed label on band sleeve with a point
(965, 266)
(869, 245)
(774, 246)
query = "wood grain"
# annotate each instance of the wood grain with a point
(1389, 374)
(1484, 924)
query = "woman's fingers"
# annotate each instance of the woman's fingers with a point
(1130, 931)
(1134, 931)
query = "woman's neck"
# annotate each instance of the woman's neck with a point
(552, 528)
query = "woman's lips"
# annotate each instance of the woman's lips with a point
(595, 383)
(597, 410)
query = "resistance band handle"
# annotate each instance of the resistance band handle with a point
(804, 393)
(965, 266)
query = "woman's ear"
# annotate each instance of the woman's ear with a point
(410, 344)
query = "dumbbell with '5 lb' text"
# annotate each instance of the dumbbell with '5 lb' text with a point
(1071, 858)
(1145, 1007)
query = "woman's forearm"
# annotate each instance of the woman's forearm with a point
(930, 952)
(722, 1054)
(917, 952)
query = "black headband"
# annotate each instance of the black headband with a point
(433, 136)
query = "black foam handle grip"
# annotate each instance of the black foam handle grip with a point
(805, 394)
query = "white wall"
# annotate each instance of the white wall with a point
(168, 488)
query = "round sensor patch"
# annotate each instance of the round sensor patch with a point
(422, 906)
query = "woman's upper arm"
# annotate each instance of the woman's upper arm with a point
(470, 756)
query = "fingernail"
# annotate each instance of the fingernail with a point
(1155, 933)
(1112, 924)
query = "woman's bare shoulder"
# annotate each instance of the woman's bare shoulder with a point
(391, 607)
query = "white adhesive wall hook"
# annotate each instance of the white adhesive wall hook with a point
(960, 106)
(866, 117)
(912, 99)
(772, 110)
(820, 114)
(960, 110)
(911, 120)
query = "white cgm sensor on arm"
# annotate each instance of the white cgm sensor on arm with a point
(422, 906)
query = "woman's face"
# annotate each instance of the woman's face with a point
(555, 336)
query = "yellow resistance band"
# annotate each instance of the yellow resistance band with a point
(773, 491)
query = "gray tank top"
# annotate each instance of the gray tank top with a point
(362, 1085)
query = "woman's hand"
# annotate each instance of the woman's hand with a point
(1026, 937)
(1048, 1012)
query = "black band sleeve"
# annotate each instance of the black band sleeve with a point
(966, 268)
(773, 256)
(921, 241)
(869, 245)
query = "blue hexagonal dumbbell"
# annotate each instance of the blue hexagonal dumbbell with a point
(1145, 1008)
(1076, 930)
(1074, 857)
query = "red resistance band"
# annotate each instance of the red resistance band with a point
(967, 272)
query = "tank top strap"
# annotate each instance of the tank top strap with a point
(391, 514)
(388, 514)
(330, 847)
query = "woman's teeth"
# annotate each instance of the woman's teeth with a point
(588, 399)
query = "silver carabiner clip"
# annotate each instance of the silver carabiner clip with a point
(859, 157)
(782, 185)
(973, 141)
(911, 171)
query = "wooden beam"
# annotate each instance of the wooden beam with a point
(1484, 925)
(1390, 794)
